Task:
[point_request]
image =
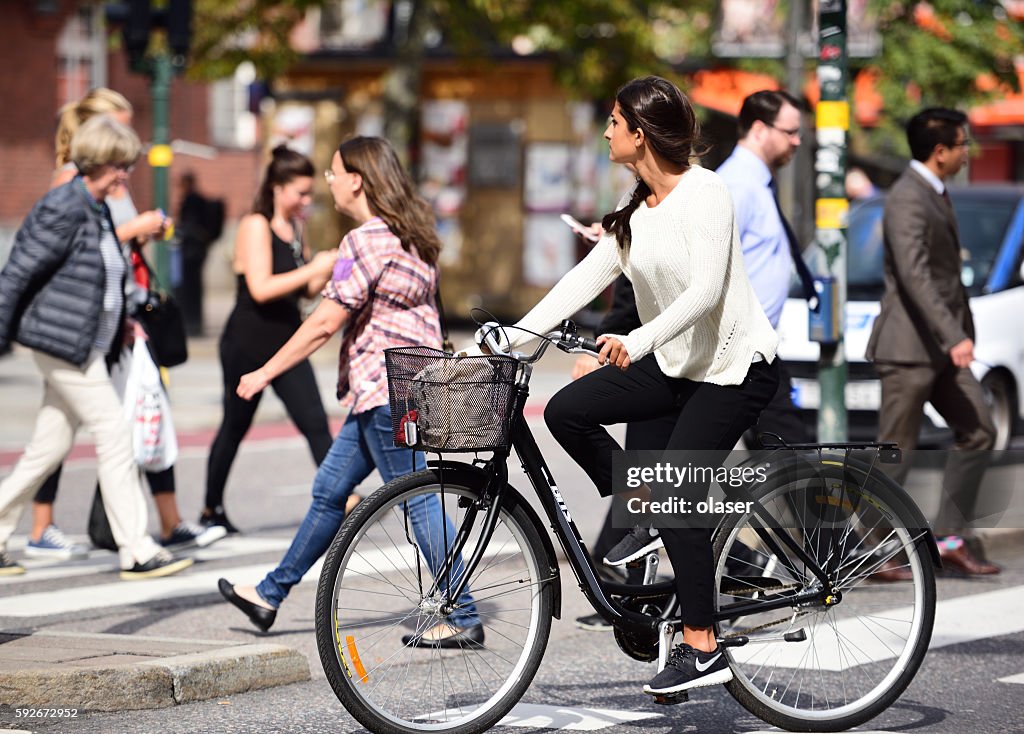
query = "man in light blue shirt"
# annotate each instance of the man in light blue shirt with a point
(769, 128)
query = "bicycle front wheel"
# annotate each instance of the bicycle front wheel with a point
(378, 605)
(843, 658)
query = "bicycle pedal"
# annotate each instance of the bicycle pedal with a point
(671, 699)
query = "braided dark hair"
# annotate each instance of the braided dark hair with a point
(662, 111)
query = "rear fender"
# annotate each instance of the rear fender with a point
(803, 467)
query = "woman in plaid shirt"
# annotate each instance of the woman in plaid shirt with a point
(382, 290)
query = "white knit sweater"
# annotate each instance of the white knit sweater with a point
(700, 315)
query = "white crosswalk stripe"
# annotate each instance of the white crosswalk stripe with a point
(41, 569)
(956, 621)
(1018, 679)
(192, 582)
(567, 718)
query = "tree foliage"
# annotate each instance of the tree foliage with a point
(935, 53)
(227, 33)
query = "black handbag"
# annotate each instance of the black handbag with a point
(164, 323)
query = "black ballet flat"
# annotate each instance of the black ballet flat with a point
(262, 617)
(468, 637)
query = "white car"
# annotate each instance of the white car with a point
(991, 220)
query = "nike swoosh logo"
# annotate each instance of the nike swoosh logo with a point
(701, 668)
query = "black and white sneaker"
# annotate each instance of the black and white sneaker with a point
(593, 623)
(637, 544)
(10, 567)
(162, 564)
(191, 535)
(689, 668)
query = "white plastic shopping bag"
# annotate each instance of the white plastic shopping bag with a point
(137, 379)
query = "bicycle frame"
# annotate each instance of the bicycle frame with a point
(593, 587)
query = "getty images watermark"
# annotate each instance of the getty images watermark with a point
(705, 489)
(690, 476)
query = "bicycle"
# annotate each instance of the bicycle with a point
(807, 653)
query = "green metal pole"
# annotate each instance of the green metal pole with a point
(831, 209)
(160, 153)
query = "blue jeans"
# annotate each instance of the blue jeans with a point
(364, 442)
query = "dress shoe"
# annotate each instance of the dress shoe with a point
(962, 560)
(892, 571)
(466, 637)
(259, 616)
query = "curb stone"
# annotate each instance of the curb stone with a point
(48, 671)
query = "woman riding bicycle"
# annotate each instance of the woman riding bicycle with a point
(705, 344)
(382, 290)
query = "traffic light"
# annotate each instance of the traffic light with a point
(138, 18)
(179, 26)
(136, 30)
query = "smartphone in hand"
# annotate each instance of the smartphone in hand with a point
(579, 228)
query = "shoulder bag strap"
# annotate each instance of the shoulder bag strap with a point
(446, 342)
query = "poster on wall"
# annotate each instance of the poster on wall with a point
(495, 154)
(548, 185)
(293, 126)
(445, 153)
(549, 250)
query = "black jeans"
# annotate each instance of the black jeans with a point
(649, 435)
(297, 390)
(710, 417)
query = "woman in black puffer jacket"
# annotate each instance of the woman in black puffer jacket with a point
(62, 296)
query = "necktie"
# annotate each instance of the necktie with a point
(806, 279)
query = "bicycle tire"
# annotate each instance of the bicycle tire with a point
(872, 668)
(512, 650)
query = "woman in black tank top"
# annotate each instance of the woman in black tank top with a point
(273, 274)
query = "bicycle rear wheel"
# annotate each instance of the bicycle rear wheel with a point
(839, 661)
(375, 590)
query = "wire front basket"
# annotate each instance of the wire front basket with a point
(443, 402)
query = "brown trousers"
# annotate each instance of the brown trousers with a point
(958, 397)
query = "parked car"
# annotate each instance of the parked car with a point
(991, 220)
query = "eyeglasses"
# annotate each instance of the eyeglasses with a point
(125, 169)
(965, 143)
(329, 175)
(789, 133)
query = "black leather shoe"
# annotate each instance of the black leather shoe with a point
(467, 637)
(259, 616)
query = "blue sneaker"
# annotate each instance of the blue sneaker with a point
(53, 543)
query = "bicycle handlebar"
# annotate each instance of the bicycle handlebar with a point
(493, 336)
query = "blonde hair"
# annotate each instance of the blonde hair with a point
(102, 141)
(99, 101)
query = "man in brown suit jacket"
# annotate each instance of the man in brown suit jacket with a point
(922, 342)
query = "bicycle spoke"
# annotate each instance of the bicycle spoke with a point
(858, 650)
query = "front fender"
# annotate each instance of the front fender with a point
(513, 499)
